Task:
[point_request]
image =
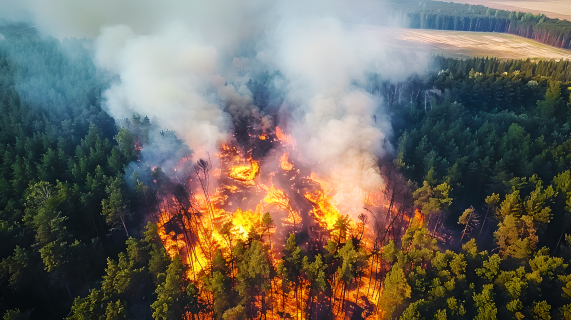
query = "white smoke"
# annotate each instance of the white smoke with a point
(323, 59)
(175, 59)
(165, 75)
(224, 22)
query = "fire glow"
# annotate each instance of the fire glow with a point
(284, 185)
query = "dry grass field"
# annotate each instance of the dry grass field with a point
(551, 8)
(463, 44)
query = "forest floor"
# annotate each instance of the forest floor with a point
(463, 44)
(560, 9)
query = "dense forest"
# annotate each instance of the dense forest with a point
(61, 173)
(477, 226)
(428, 14)
(496, 135)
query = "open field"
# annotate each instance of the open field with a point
(551, 8)
(461, 43)
(464, 44)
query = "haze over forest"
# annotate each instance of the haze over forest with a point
(292, 160)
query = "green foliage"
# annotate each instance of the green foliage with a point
(541, 310)
(341, 225)
(455, 307)
(115, 208)
(520, 221)
(254, 269)
(16, 314)
(396, 290)
(291, 267)
(16, 266)
(440, 315)
(465, 217)
(126, 282)
(267, 219)
(170, 301)
(236, 313)
(553, 102)
(316, 273)
(566, 311)
(220, 284)
(432, 199)
(484, 301)
(412, 313)
(352, 261)
(490, 268)
(471, 248)
(417, 246)
(56, 152)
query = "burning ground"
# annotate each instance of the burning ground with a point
(241, 197)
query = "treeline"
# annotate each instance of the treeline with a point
(486, 126)
(515, 70)
(61, 187)
(428, 14)
(494, 137)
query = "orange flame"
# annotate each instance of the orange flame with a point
(280, 134)
(245, 221)
(284, 162)
(324, 211)
(278, 198)
(285, 138)
(330, 198)
(245, 173)
(418, 219)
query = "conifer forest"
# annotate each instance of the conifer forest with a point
(252, 160)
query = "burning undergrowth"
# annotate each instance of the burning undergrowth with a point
(266, 189)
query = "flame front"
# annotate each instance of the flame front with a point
(245, 190)
(245, 173)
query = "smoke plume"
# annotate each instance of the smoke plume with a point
(185, 63)
(165, 75)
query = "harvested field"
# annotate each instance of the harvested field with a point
(464, 44)
(560, 9)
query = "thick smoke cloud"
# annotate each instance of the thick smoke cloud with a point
(166, 76)
(178, 61)
(345, 128)
(224, 22)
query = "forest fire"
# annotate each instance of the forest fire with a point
(262, 160)
(245, 192)
(324, 211)
(245, 173)
(284, 162)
